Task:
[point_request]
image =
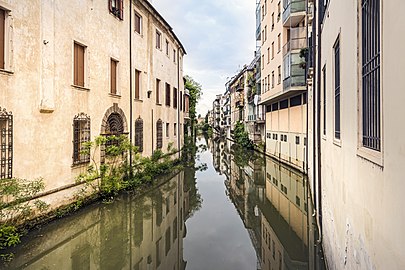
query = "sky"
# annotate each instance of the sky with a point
(219, 37)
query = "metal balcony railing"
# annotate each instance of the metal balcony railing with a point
(291, 7)
(256, 117)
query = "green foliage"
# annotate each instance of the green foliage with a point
(16, 205)
(241, 136)
(195, 90)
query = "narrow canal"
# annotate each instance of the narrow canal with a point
(242, 211)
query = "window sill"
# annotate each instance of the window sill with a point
(158, 104)
(138, 100)
(337, 142)
(371, 156)
(6, 71)
(82, 88)
(79, 165)
(114, 95)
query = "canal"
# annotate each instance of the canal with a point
(239, 210)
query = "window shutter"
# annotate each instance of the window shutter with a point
(110, 5)
(113, 77)
(121, 8)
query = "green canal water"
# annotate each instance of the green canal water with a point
(243, 211)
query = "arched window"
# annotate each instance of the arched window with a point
(115, 124)
(81, 135)
(159, 134)
(6, 144)
(139, 134)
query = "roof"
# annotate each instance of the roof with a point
(149, 5)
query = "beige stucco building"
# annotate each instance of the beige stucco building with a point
(283, 84)
(358, 175)
(74, 70)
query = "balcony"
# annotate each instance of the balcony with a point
(294, 12)
(294, 72)
(298, 40)
(259, 118)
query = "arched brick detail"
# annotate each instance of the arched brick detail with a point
(113, 110)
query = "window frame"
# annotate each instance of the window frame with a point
(116, 62)
(75, 80)
(137, 15)
(158, 91)
(118, 11)
(167, 94)
(158, 39)
(137, 84)
(376, 157)
(337, 134)
(79, 130)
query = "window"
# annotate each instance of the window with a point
(158, 40)
(81, 135)
(262, 37)
(272, 21)
(78, 62)
(265, 33)
(279, 75)
(175, 129)
(272, 50)
(268, 55)
(137, 84)
(263, 12)
(370, 54)
(278, 11)
(263, 61)
(114, 69)
(157, 91)
(337, 89)
(174, 98)
(174, 56)
(297, 140)
(167, 47)
(139, 134)
(278, 43)
(138, 23)
(116, 7)
(167, 94)
(167, 129)
(324, 99)
(159, 134)
(2, 38)
(167, 240)
(272, 79)
(6, 144)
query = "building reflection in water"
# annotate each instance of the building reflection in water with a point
(132, 233)
(272, 203)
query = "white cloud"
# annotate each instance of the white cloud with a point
(219, 37)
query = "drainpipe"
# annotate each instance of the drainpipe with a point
(178, 103)
(130, 82)
(318, 126)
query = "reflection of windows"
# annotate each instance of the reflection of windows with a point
(138, 224)
(158, 255)
(175, 229)
(81, 135)
(168, 240)
(167, 205)
(81, 258)
(6, 144)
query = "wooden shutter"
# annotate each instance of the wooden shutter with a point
(167, 94)
(137, 83)
(2, 37)
(138, 23)
(121, 9)
(174, 98)
(113, 77)
(157, 91)
(78, 65)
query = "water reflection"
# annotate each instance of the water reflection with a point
(130, 233)
(270, 229)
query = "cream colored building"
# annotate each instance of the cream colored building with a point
(358, 94)
(283, 83)
(66, 74)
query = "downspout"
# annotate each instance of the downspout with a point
(318, 130)
(178, 103)
(130, 83)
(315, 81)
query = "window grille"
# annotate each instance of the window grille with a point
(371, 105)
(6, 144)
(337, 89)
(159, 134)
(81, 135)
(139, 134)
